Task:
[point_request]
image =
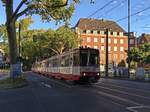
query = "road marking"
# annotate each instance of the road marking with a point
(46, 85)
(118, 98)
(133, 109)
(116, 85)
(57, 82)
(123, 92)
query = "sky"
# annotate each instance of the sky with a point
(117, 9)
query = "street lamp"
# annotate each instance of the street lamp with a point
(128, 38)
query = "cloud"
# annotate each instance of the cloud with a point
(114, 2)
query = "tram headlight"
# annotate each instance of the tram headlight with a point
(98, 74)
(84, 74)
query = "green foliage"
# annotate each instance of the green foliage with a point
(63, 40)
(25, 23)
(122, 64)
(59, 10)
(141, 55)
(41, 44)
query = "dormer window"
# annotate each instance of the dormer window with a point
(94, 32)
(88, 32)
(121, 33)
(115, 34)
(84, 31)
(102, 32)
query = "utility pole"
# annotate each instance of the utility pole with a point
(128, 38)
(106, 65)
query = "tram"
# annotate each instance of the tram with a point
(80, 64)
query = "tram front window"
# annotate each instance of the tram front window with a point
(83, 59)
(93, 60)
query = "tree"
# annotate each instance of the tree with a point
(140, 55)
(63, 40)
(122, 64)
(47, 9)
(25, 23)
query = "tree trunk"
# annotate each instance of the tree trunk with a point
(12, 47)
(11, 31)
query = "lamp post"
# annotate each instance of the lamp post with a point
(128, 38)
(107, 61)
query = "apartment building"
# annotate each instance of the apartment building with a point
(93, 34)
(144, 38)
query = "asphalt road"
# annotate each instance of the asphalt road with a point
(49, 95)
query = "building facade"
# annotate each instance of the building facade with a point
(93, 34)
(144, 38)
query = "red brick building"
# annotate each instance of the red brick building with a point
(144, 38)
(133, 40)
(93, 34)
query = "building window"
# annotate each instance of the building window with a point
(102, 40)
(88, 39)
(95, 47)
(88, 46)
(121, 56)
(84, 31)
(109, 56)
(115, 41)
(115, 57)
(121, 41)
(115, 48)
(109, 40)
(131, 41)
(115, 34)
(95, 39)
(102, 48)
(102, 57)
(109, 48)
(88, 32)
(102, 32)
(94, 32)
(121, 48)
(121, 34)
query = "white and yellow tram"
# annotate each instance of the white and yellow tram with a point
(81, 64)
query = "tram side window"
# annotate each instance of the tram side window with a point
(62, 61)
(55, 62)
(76, 60)
(67, 61)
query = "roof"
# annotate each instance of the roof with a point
(147, 37)
(144, 36)
(98, 24)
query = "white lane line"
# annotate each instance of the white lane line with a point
(46, 85)
(116, 85)
(57, 82)
(118, 98)
(133, 109)
(123, 92)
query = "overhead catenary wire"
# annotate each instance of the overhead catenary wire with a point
(121, 19)
(113, 8)
(107, 4)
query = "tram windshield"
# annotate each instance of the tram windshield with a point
(89, 59)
